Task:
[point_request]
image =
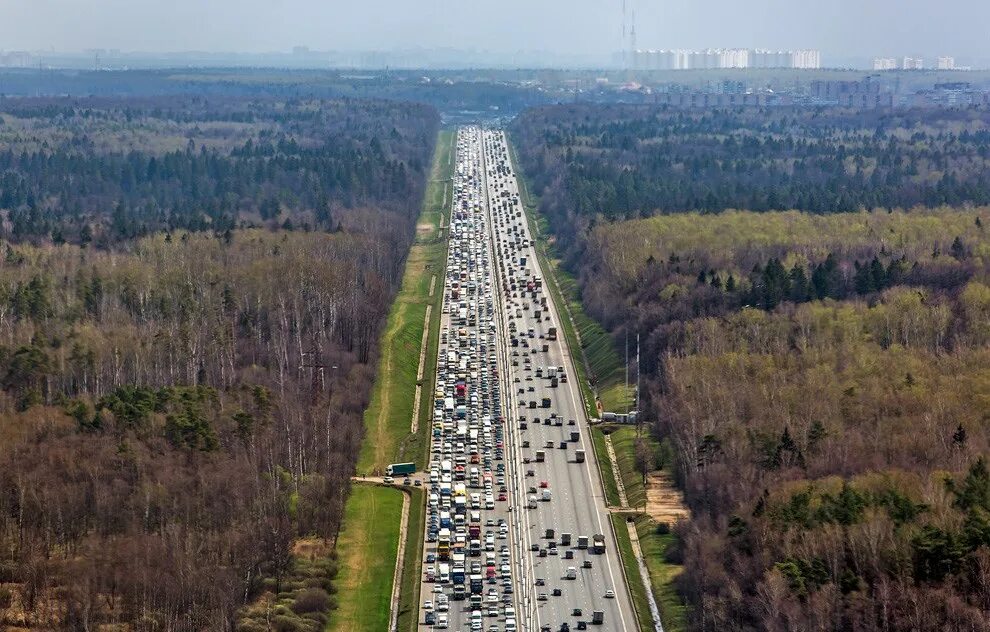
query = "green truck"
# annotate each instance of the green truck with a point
(400, 469)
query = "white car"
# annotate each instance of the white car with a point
(427, 605)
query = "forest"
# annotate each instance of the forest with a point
(99, 170)
(186, 351)
(614, 162)
(822, 376)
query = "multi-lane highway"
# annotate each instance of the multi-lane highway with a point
(517, 535)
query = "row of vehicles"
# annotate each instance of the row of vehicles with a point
(468, 561)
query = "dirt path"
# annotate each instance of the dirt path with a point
(664, 502)
(399, 563)
(414, 426)
(616, 472)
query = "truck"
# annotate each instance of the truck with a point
(582, 541)
(477, 584)
(553, 382)
(598, 543)
(598, 617)
(552, 333)
(546, 497)
(575, 436)
(400, 469)
(545, 403)
(458, 574)
(565, 539)
(579, 456)
(571, 573)
(540, 456)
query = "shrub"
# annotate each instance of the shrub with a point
(311, 600)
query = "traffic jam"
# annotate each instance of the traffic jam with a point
(468, 567)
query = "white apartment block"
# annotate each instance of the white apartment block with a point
(713, 58)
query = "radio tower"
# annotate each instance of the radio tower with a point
(625, 50)
(632, 42)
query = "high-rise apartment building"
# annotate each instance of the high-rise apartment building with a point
(946, 63)
(713, 58)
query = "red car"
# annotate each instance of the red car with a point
(544, 484)
(502, 497)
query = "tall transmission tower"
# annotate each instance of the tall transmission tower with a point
(632, 42)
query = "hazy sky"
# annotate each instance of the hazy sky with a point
(840, 28)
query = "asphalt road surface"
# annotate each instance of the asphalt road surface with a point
(491, 500)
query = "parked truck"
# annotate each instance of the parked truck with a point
(400, 469)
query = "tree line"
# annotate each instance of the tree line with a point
(301, 163)
(615, 162)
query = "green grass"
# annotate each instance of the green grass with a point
(637, 590)
(605, 466)
(367, 549)
(409, 597)
(389, 415)
(673, 611)
(624, 444)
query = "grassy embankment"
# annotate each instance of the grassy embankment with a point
(367, 549)
(389, 416)
(599, 358)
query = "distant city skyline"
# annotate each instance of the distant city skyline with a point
(841, 29)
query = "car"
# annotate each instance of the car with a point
(430, 618)
(388, 480)
(610, 594)
(556, 592)
(542, 597)
(431, 557)
(576, 612)
(428, 605)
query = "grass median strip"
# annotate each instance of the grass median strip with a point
(367, 549)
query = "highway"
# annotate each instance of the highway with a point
(577, 504)
(489, 562)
